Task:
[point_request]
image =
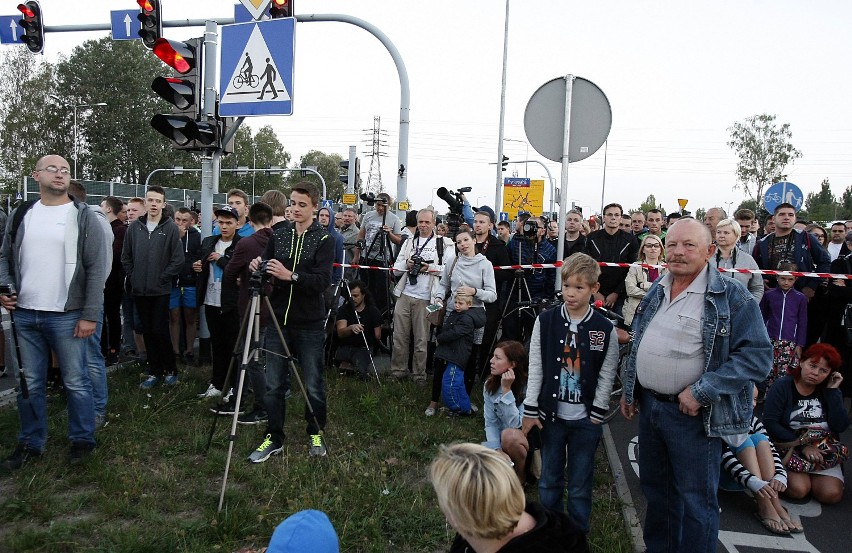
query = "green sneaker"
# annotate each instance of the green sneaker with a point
(266, 449)
(317, 446)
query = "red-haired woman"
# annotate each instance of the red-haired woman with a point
(804, 415)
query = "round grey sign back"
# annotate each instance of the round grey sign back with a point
(544, 119)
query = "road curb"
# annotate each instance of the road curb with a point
(628, 511)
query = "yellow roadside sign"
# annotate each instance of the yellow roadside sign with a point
(350, 199)
(402, 206)
(523, 195)
(682, 202)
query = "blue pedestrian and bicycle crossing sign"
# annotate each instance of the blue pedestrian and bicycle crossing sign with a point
(783, 192)
(10, 31)
(256, 75)
(124, 24)
(328, 203)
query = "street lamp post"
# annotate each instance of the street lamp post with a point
(526, 165)
(74, 108)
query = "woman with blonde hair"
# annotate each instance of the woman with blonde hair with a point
(728, 256)
(639, 279)
(484, 502)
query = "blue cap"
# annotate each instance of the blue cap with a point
(305, 531)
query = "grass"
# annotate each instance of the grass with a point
(151, 486)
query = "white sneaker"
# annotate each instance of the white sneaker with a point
(212, 391)
(429, 412)
(474, 408)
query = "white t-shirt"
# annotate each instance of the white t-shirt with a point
(151, 225)
(213, 296)
(43, 286)
(834, 250)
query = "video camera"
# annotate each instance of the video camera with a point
(258, 278)
(372, 200)
(454, 199)
(529, 230)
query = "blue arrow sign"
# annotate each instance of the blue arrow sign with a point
(254, 78)
(783, 192)
(10, 31)
(504, 216)
(125, 25)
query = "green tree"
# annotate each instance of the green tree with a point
(822, 205)
(261, 150)
(748, 203)
(700, 213)
(328, 165)
(646, 206)
(763, 152)
(845, 211)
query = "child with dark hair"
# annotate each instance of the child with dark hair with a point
(502, 392)
(785, 313)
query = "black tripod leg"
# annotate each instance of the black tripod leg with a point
(237, 348)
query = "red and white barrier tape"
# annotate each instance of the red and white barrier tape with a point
(558, 264)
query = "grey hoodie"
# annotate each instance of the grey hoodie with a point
(85, 276)
(474, 271)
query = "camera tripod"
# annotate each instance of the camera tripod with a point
(380, 285)
(519, 303)
(249, 337)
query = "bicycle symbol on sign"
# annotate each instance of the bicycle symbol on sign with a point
(774, 197)
(245, 75)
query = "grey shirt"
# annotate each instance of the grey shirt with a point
(671, 354)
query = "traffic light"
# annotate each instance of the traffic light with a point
(505, 162)
(344, 175)
(281, 8)
(33, 26)
(152, 23)
(186, 125)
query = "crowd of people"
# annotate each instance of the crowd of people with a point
(97, 283)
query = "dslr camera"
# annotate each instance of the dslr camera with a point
(7, 290)
(417, 264)
(258, 278)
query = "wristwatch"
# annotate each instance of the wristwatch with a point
(294, 277)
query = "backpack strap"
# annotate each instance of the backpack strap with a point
(19, 217)
(440, 248)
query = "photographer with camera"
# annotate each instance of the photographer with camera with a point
(372, 248)
(421, 261)
(528, 245)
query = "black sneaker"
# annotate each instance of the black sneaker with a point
(226, 409)
(22, 454)
(80, 451)
(255, 417)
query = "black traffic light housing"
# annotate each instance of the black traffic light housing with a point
(281, 8)
(186, 126)
(33, 26)
(344, 174)
(150, 16)
(505, 162)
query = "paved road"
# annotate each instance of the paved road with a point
(827, 529)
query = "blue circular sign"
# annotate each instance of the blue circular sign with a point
(781, 193)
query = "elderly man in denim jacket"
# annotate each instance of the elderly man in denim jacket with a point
(700, 344)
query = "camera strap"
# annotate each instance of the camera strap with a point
(416, 241)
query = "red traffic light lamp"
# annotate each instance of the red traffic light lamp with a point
(151, 19)
(281, 8)
(33, 26)
(180, 56)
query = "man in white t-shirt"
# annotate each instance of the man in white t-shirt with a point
(53, 255)
(838, 236)
(377, 228)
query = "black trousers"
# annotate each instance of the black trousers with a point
(224, 330)
(113, 293)
(154, 314)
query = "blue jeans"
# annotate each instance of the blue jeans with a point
(581, 438)
(679, 473)
(97, 368)
(307, 347)
(38, 332)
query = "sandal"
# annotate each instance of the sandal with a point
(772, 525)
(795, 528)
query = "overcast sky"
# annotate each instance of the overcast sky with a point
(677, 76)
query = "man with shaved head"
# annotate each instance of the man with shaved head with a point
(699, 344)
(53, 256)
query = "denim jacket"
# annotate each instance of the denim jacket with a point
(737, 352)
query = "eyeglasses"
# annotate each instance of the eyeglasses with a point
(653, 246)
(55, 169)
